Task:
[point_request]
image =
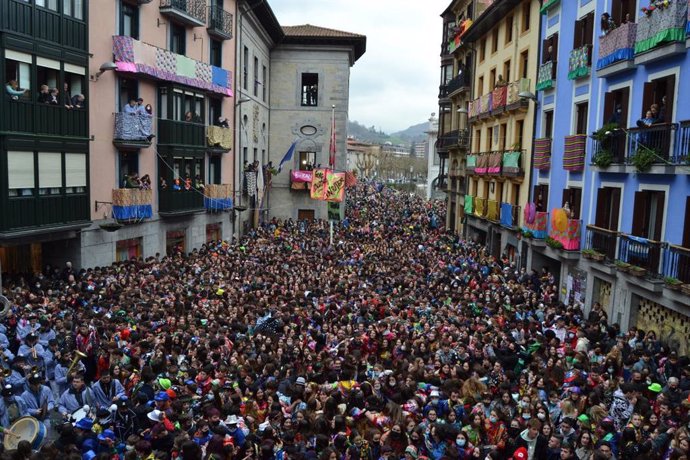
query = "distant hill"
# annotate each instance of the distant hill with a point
(405, 137)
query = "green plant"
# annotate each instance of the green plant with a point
(591, 252)
(672, 280)
(602, 134)
(527, 234)
(643, 158)
(603, 158)
(555, 244)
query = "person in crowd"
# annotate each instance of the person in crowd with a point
(14, 91)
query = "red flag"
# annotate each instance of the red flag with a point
(350, 179)
(331, 156)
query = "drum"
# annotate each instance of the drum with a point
(80, 414)
(25, 429)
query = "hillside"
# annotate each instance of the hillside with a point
(405, 137)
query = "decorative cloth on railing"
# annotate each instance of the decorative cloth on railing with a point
(511, 162)
(574, 152)
(494, 165)
(300, 176)
(217, 197)
(218, 136)
(564, 230)
(133, 56)
(499, 98)
(493, 210)
(542, 153)
(482, 164)
(480, 207)
(663, 25)
(544, 77)
(539, 225)
(474, 107)
(132, 204)
(617, 45)
(471, 162)
(469, 205)
(515, 88)
(507, 215)
(250, 182)
(579, 63)
(486, 103)
(132, 126)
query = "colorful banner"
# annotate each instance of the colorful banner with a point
(301, 176)
(334, 211)
(335, 186)
(318, 184)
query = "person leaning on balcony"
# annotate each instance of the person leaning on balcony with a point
(145, 182)
(53, 99)
(44, 94)
(500, 82)
(607, 24)
(12, 88)
(131, 108)
(78, 101)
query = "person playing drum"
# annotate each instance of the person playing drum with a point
(11, 407)
(38, 399)
(75, 397)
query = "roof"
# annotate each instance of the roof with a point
(491, 16)
(267, 18)
(307, 33)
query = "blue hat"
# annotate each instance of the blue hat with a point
(89, 455)
(89, 444)
(107, 434)
(84, 424)
(190, 382)
(162, 396)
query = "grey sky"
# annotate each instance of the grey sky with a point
(395, 84)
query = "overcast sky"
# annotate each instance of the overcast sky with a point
(395, 84)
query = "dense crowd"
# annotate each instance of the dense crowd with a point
(399, 341)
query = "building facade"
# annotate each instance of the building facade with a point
(310, 84)
(505, 36)
(44, 132)
(433, 161)
(610, 209)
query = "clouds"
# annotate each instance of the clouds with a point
(395, 84)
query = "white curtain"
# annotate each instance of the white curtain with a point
(20, 170)
(49, 170)
(75, 170)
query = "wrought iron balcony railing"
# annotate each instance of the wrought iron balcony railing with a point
(219, 22)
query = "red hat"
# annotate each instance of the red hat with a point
(520, 454)
(171, 393)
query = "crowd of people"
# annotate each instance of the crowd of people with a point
(47, 95)
(399, 341)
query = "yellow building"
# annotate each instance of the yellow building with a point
(505, 38)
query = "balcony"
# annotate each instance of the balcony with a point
(536, 223)
(464, 139)
(44, 25)
(23, 116)
(218, 138)
(542, 154)
(512, 163)
(132, 130)
(580, 62)
(446, 141)
(458, 85)
(188, 12)
(32, 212)
(471, 163)
(676, 263)
(181, 133)
(494, 163)
(469, 205)
(640, 252)
(300, 180)
(493, 211)
(132, 204)
(564, 230)
(602, 241)
(482, 165)
(219, 23)
(574, 152)
(608, 148)
(661, 33)
(217, 197)
(682, 151)
(514, 89)
(652, 145)
(179, 202)
(546, 77)
(480, 207)
(510, 215)
(617, 50)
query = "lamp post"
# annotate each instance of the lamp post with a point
(237, 179)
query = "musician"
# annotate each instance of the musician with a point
(75, 397)
(124, 420)
(61, 368)
(11, 407)
(6, 357)
(107, 391)
(50, 358)
(39, 399)
(27, 325)
(32, 351)
(45, 333)
(16, 378)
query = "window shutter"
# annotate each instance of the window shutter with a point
(686, 227)
(554, 43)
(545, 50)
(615, 200)
(624, 101)
(647, 97)
(603, 196)
(20, 170)
(589, 30)
(670, 90)
(609, 105)
(577, 36)
(640, 214)
(75, 170)
(658, 216)
(617, 11)
(575, 204)
(49, 170)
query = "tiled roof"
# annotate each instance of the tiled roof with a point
(307, 30)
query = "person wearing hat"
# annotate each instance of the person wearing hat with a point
(32, 351)
(124, 420)
(16, 377)
(107, 391)
(107, 443)
(38, 399)
(162, 401)
(234, 430)
(77, 396)
(11, 407)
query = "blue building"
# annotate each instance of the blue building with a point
(609, 211)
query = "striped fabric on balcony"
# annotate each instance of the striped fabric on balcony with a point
(574, 153)
(542, 153)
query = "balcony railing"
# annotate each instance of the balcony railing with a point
(502, 99)
(677, 263)
(461, 82)
(510, 215)
(580, 62)
(602, 241)
(662, 26)
(188, 12)
(612, 146)
(480, 207)
(447, 140)
(171, 202)
(133, 129)
(546, 76)
(218, 137)
(618, 45)
(641, 252)
(174, 132)
(682, 150)
(542, 153)
(217, 197)
(43, 119)
(493, 210)
(574, 152)
(471, 163)
(469, 205)
(512, 163)
(132, 204)
(568, 234)
(219, 22)
(655, 141)
(538, 224)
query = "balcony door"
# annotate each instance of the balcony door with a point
(572, 197)
(648, 214)
(660, 92)
(608, 208)
(686, 227)
(616, 104)
(541, 197)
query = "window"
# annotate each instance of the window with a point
(506, 71)
(660, 92)
(478, 141)
(256, 154)
(264, 159)
(584, 31)
(548, 124)
(129, 20)
(50, 4)
(541, 197)
(572, 198)
(498, 191)
(490, 140)
(178, 38)
(494, 40)
(49, 173)
(509, 29)
(214, 168)
(648, 214)
(264, 81)
(623, 11)
(550, 49)
(73, 82)
(686, 226)
(446, 74)
(256, 76)
(215, 110)
(244, 155)
(608, 208)
(129, 89)
(75, 173)
(18, 68)
(581, 117)
(503, 129)
(524, 64)
(519, 132)
(187, 106)
(310, 89)
(526, 15)
(128, 164)
(216, 57)
(74, 8)
(482, 49)
(480, 86)
(616, 105)
(48, 72)
(20, 173)
(128, 249)
(307, 160)
(492, 79)
(515, 197)
(245, 67)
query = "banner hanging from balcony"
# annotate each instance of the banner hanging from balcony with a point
(301, 176)
(335, 187)
(662, 24)
(511, 162)
(132, 204)
(542, 153)
(574, 153)
(133, 56)
(318, 184)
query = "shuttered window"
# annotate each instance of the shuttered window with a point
(49, 170)
(75, 170)
(20, 170)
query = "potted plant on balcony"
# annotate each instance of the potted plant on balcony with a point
(603, 156)
(673, 283)
(593, 254)
(643, 158)
(622, 266)
(637, 271)
(527, 234)
(685, 288)
(552, 243)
